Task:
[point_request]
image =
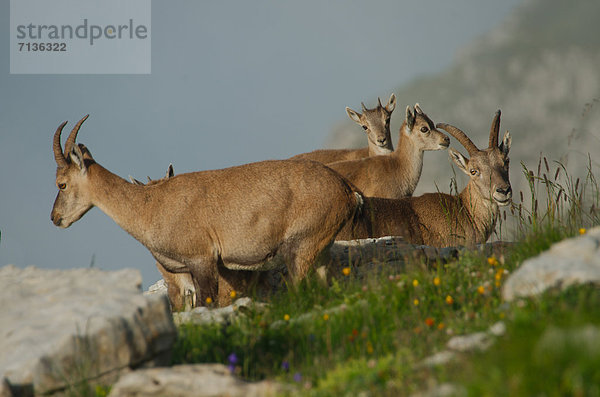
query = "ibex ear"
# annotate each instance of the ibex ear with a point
(410, 118)
(505, 144)
(76, 157)
(460, 160)
(391, 105)
(353, 115)
(418, 108)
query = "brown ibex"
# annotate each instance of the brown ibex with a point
(180, 286)
(440, 219)
(376, 124)
(210, 223)
(396, 175)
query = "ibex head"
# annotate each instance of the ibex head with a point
(488, 169)
(73, 200)
(376, 123)
(421, 130)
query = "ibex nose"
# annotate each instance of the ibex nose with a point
(446, 142)
(55, 218)
(381, 141)
(505, 192)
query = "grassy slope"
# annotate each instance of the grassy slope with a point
(370, 335)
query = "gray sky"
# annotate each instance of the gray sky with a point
(232, 82)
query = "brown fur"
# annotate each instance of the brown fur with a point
(396, 175)
(439, 219)
(376, 125)
(249, 217)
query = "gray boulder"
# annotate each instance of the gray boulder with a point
(200, 380)
(61, 328)
(569, 262)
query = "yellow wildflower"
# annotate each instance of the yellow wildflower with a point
(492, 261)
(346, 271)
(286, 317)
(416, 302)
(481, 290)
(209, 300)
(437, 281)
(449, 300)
(233, 294)
(326, 317)
(582, 230)
(415, 283)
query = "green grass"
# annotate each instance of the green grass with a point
(369, 334)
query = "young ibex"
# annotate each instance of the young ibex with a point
(439, 219)
(375, 122)
(250, 217)
(396, 175)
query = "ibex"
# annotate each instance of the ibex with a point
(210, 223)
(439, 219)
(376, 124)
(180, 286)
(396, 175)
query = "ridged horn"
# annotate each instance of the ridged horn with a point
(364, 108)
(73, 135)
(460, 136)
(495, 130)
(61, 161)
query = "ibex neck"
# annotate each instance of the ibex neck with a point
(410, 158)
(482, 211)
(122, 201)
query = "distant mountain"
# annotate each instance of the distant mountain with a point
(541, 66)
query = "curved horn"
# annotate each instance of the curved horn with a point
(494, 130)
(364, 108)
(379, 101)
(61, 161)
(460, 136)
(73, 135)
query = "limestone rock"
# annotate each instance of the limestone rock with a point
(222, 315)
(478, 341)
(59, 327)
(190, 380)
(569, 262)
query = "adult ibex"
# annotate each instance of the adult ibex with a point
(251, 217)
(375, 122)
(439, 219)
(180, 286)
(396, 175)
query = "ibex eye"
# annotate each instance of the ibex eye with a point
(364, 127)
(424, 129)
(62, 186)
(473, 172)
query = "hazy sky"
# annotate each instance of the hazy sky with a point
(232, 82)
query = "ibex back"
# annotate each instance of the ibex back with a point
(250, 217)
